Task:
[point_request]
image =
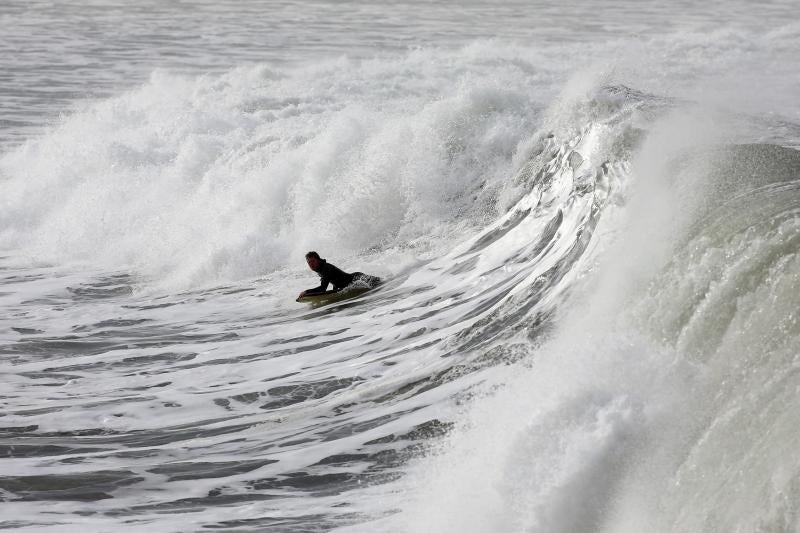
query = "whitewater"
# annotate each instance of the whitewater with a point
(587, 218)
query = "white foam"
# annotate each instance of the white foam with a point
(197, 179)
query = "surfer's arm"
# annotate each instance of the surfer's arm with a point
(323, 285)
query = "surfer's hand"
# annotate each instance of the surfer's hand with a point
(302, 294)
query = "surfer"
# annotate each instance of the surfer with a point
(329, 273)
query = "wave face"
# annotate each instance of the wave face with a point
(667, 399)
(589, 316)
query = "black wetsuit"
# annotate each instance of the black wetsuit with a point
(340, 279)
(331, 274)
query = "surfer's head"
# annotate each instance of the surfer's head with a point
(313, 259)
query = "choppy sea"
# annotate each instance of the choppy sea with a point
(587, 217)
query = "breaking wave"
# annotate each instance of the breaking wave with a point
(590, 321)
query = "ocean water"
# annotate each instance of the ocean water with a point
(587, 218)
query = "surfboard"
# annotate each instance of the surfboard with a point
(329, 297)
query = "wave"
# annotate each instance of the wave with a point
(662, 397)
(606, 310)
(197, 180)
